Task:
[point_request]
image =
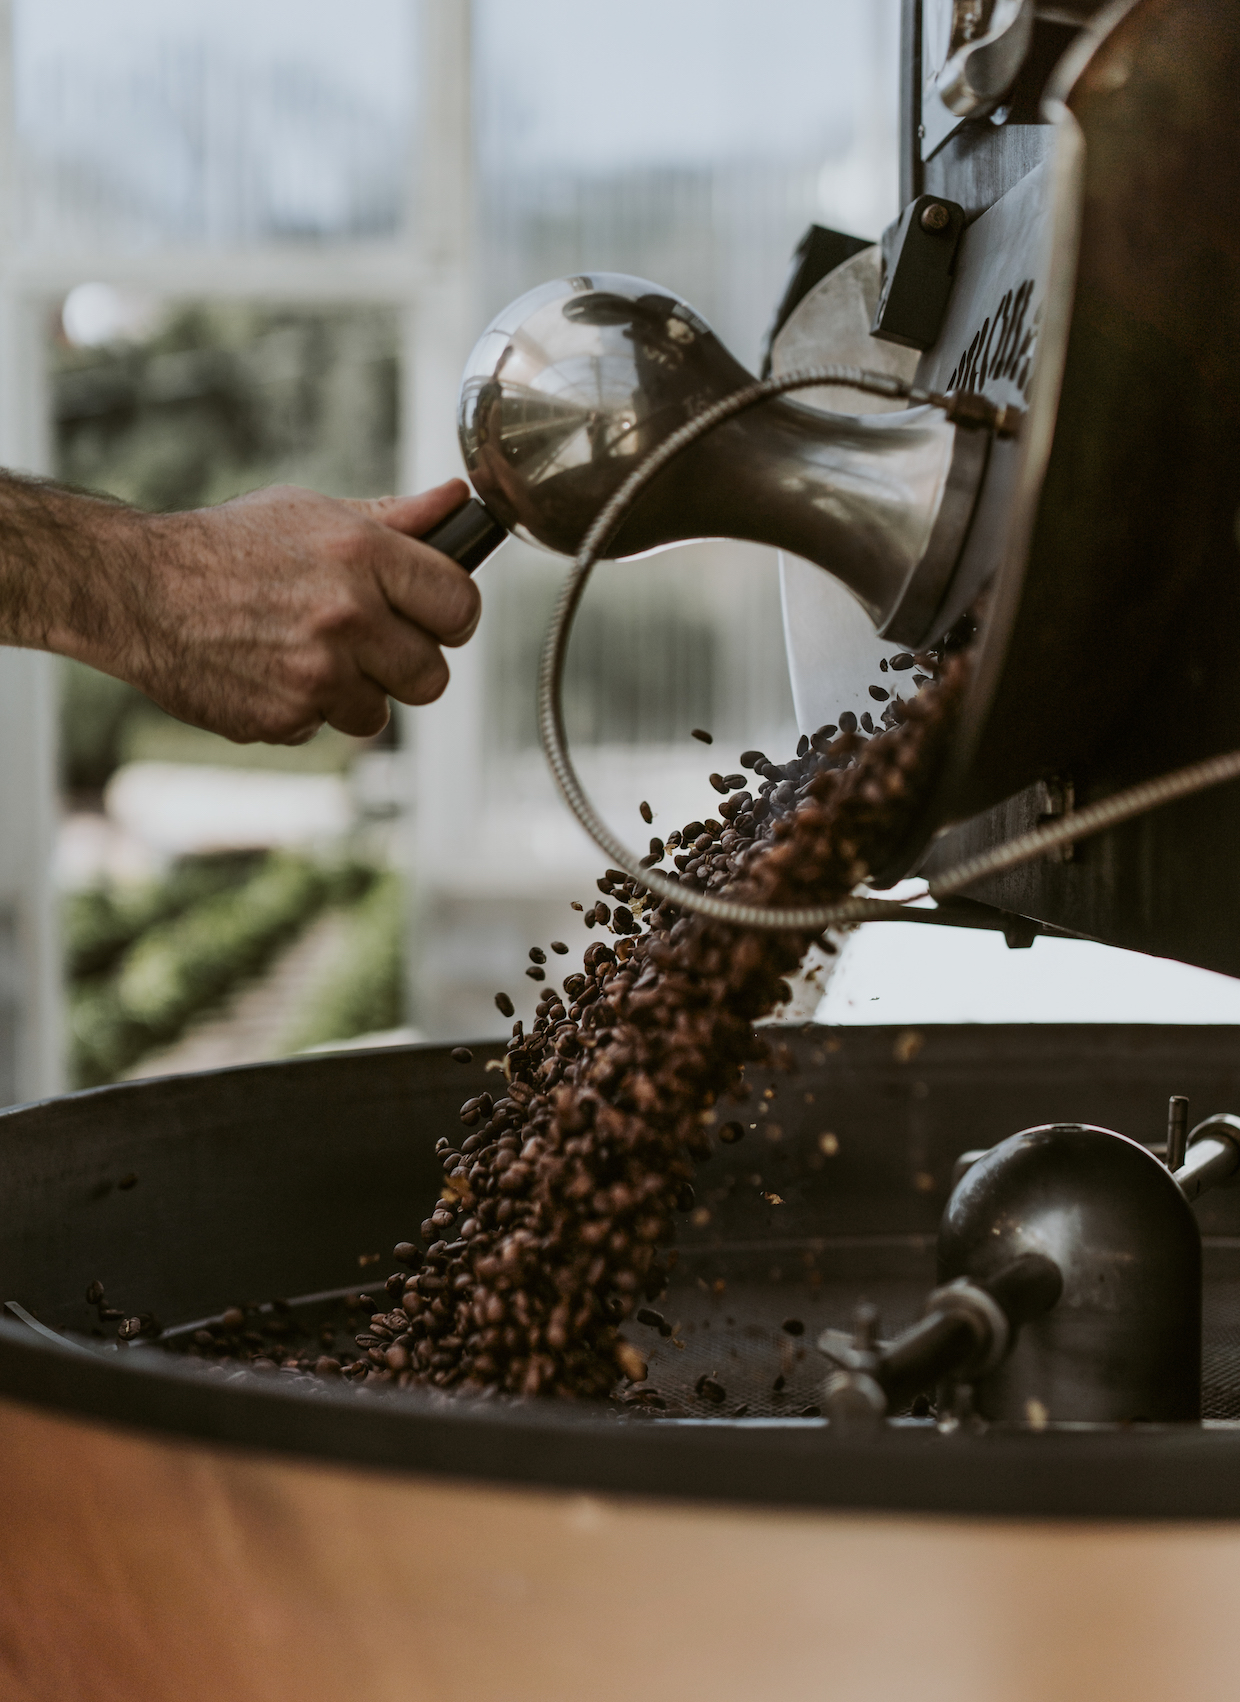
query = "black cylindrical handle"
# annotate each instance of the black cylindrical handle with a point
(949, 1337)
(469, 534)
(926, 1352)
(1029, 1286)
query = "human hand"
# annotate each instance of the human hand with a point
(272, 614)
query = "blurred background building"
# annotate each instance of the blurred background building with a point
(241, 244)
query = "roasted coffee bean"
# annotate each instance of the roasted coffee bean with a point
(705, 737)
(504, 1004)
(128, 1328)
(602, 912)
(537, 955)
(567, 1193)
(719, 783)
(647, 814)
(882, 664)
(902, 662)
(560, 949)
(751, 759)
(407, 1253)
(94, 1294)
(803, 744)
(326, 1366)
(233, 1319)
(573, 904)
(461, 1055)
(878, 694)
(848, 721)
(920, 1407)
(646, 1315)
(535, 974)
(630, 1362)
(793, 1327)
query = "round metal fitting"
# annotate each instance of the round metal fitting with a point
(935, 217)
(985, 1317)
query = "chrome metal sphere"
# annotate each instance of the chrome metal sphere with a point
(573, 384)
(1124, 1341)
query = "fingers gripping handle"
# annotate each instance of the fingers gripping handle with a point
(469, 535)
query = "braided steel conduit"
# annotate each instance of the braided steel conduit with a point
(1065, 830)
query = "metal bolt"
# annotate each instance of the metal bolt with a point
(1177, 1131)
(865, 1328)
(935, 217)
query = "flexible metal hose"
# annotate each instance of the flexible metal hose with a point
(1065, 830)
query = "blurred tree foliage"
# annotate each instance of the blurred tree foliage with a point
(362, 988)
(223, 398)
(212, 924)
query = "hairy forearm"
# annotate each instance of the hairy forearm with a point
(259, 619)
(74, 570)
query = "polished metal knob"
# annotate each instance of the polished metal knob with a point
(573, 384)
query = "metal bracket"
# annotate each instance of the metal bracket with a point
(919, 259)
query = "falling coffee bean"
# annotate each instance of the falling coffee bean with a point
(504, 1004)
(701, 734)
(562, 1192)
(461, 1055)
(560, 949)
(793, 1327)
(647, 814)
(537, 955)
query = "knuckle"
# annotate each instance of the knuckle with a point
(462, 609)
(431, 682)
(311, 675)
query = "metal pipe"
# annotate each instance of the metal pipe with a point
(968, 1329)
(1213, 1155)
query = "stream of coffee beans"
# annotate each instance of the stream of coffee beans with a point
(559, 1199)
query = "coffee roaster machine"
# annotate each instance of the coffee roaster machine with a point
(946, 1394)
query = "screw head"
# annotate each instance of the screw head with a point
(935, 217)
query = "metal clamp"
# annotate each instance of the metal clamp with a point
(985, 1317)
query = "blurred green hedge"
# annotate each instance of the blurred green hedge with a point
(195, 946)
(362, 989)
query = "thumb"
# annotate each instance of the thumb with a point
(413, 515)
